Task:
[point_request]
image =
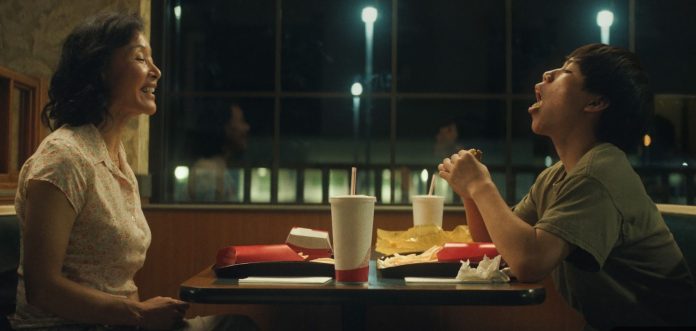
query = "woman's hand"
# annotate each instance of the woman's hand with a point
(162, 313)
(464, 173)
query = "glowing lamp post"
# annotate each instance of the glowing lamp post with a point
(177, 12)
(369, 16)
(605, 19)
(356, 90)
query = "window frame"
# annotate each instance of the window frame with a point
(30, 132)
(160, 166)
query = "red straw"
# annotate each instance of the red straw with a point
(432, 185)
(353, 170)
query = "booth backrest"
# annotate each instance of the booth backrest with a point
(9, 259)
(683, 229)
(682, 224)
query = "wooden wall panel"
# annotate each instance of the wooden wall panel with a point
(185, 241)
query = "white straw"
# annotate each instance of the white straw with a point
(432, 186)
(353, 170)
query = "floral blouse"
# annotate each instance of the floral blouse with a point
(110, 236)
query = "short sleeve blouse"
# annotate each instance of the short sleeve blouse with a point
(110, 236)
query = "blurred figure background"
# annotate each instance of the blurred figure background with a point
(217, 173)
(446, 140)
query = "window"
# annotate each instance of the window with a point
(20, 97)
(272, 101)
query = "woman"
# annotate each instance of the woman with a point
(217, 175)
(84, 234)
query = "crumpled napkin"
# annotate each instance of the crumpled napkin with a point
(487, 269)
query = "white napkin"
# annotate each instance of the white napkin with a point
(487, 269)
(435, 280)
(486, 272)
(284, 280)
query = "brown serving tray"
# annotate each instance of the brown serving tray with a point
(275, 269)
(425, 269)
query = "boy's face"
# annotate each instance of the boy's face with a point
(561, 101)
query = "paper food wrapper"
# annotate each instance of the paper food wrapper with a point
(419, 238)
(473, 251)
(487, 270)
(255, 253)
(313, 243)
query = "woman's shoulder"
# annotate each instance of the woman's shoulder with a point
(66, 145)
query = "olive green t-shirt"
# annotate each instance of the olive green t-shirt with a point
(624, 267)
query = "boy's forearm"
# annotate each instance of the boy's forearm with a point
(513, 238)
(477, 227)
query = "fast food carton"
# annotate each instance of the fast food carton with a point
(255, 253)
(473, 251)
(314, 243)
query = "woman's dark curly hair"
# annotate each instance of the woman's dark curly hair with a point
(617, 75)
(78, 94)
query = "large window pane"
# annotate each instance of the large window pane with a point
(665, 34)
(221, 45)
(312, 186)
(668, 158)
(261, 185)
(530, 153)
(451, 46)
(544, 32)
(450, 69)
(324, 131)
(339, 182)
(216, 139)
(672, 138)
(325, 42)
(429, 130)
(529, 149)
(287, 186)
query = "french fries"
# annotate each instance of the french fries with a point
(429, 255)
(477, 153)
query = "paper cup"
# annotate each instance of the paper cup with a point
(427, 209)
(351, 225)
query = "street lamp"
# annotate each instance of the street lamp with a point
(356, 90)
(605, 19)
(177, 12)
(369, 16)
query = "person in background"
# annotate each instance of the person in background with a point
(446, 140)
(213, 177)
(84, 235)
(587, 220)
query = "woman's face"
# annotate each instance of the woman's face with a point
(132, 79)
(237, 129)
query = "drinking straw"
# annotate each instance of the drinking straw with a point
(432, 186)
(353, 170)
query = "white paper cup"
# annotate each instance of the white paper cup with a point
(351, 225)
(427, 209)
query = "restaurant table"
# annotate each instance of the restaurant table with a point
(205, 287)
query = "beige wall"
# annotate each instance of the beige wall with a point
(31, 35)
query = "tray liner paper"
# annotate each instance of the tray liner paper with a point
(419, 238)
